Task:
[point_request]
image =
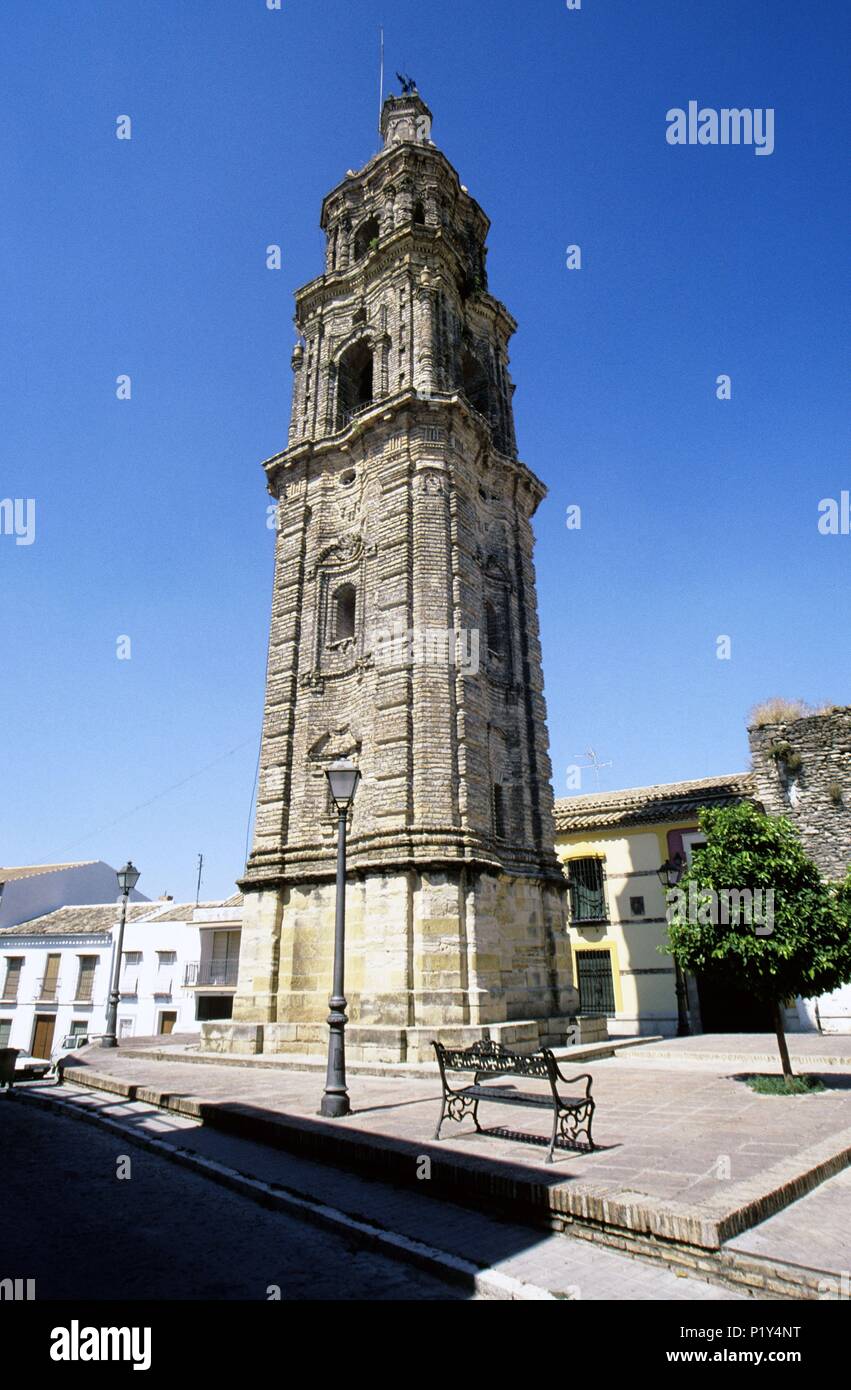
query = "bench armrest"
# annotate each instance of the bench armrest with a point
(570, 1080)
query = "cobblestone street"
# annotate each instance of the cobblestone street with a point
(164, 1233)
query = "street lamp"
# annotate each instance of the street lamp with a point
(127, 877)
(672, 871)
(343, 778)
(670, 874)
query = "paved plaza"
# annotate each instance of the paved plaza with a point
(686, 1150)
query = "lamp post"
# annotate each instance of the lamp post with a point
(343, 778)
(670, 874)
(127, 877)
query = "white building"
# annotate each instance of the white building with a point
(34, 889)
(179, 967)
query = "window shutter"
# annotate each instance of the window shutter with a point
(14, 965)
(86, 978)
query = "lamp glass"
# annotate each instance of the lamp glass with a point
(128, 877)
(671, 871)
(666, 874)
(343, 778)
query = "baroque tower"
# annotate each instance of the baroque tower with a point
(404, 636)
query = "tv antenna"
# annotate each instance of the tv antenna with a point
(594, 761)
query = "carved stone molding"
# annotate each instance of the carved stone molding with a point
(348, 550)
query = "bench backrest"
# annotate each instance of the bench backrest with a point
(492, 1059)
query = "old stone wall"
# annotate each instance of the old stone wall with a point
(802, 770)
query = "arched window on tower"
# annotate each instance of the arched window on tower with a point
(367, 233)
(419, 214)
(474, 383)
(354, 382)
(344, 612)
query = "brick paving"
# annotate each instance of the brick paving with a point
(814, 1232)
(688, 1134)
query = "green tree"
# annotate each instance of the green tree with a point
(801, 945)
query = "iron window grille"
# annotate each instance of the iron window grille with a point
(596, 983)
(587, 883)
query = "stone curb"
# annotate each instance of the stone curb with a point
(485, 1284)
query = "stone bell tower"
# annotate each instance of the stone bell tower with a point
(404, 636)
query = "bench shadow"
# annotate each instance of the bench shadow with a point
(539, 1141)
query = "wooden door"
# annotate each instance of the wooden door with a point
(43, 1035)
(167, 1022)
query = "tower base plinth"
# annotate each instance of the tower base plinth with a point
(380, 1043)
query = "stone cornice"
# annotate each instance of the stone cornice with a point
(396, 162)
(410, 246)
(423, 850)
(386, 410)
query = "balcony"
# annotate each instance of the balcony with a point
(345, 417)
(211, 974)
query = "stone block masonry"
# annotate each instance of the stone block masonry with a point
(402, 505)
(802, 770)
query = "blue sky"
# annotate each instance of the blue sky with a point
(147, 257)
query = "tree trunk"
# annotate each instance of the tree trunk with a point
(781, 1040)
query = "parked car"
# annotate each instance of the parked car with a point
(70, 1043)
(28, 1068)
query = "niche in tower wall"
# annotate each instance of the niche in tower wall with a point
(506, 799)
(496, 615)
(339, 585)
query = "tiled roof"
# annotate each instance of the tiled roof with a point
(185, 912)
(33, 870)
(83, 920)
(89, 918)
(670, 801)
(182, 912)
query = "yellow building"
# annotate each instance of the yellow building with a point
(613, 846)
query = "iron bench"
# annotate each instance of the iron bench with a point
(572, 1114)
